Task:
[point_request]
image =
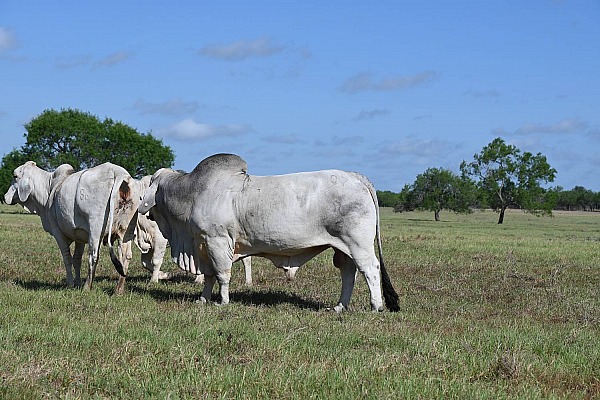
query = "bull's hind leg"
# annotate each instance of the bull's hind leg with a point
(347, 269)
(93, 255)
(77, 257)
(368, 265)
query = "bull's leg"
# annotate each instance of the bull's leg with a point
(348, 273)
(77, 257)
(247, 262)
(220, 254)
(93, 255)
(290, 273)
(65, 250)
(369, 266)
(125, 255)
(224, 277)
(209, 283)
(158, 254)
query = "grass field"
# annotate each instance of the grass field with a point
(487, 312)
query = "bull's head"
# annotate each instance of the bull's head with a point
(21, 186)
(148, 200)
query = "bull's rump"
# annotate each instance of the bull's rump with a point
(82, 200)
(284, 214)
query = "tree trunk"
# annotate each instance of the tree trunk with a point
(437, 215)
(501, 218)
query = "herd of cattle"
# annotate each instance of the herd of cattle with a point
(211, 217)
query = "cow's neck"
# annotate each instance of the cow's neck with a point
(37, 202)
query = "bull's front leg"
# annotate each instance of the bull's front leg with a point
(65, 251)
(220, 254)
(209, 283)
(125, 254)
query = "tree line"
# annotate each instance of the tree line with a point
(500, 177)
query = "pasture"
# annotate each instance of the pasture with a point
(487, 311)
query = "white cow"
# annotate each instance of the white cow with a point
(218, 213)
(153, 245)
(90, 206)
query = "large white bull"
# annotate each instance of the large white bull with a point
(218, 213)
(90, 206)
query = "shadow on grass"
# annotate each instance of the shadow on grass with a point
(141, 285)
(39, 285)
(255, 297)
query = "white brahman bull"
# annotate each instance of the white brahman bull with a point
(90, 206)
(218, 213)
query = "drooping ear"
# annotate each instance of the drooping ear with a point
(149, 199)
(125, 191)
(24, 188)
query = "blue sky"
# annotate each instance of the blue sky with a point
(385, 88)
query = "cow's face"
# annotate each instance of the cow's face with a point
(149, 199)
(21, 186)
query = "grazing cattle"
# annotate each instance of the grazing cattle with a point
(219, 212)
(90, 206)
(152, 245)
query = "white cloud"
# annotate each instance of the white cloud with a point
(242, 49)
(429, 148)
(479, 93)
(73, 61)
(113, 59)
(566, 126)
(365, 81)
(171, 107)
(7, 39)
(371, 114)
(189, 130)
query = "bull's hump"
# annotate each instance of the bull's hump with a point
(221, 163)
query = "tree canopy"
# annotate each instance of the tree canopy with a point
(438, 189)
(83, 140)
(508, 178)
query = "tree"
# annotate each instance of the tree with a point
(10, 161)
(439, 189)
(509, 178)
(387, 198)
(82, 140)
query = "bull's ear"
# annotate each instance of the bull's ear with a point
(149, 199)
(24, 187)
(125, 190)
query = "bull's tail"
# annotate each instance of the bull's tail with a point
(389, 293)
(111, 206)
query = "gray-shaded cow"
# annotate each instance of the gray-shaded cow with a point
(90, 206)
(218, 213)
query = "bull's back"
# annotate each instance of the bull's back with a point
(305, 209)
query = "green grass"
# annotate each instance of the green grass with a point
(487, 311)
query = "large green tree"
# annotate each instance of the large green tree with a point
(509, 178)
(83, 140)
(439, 189)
